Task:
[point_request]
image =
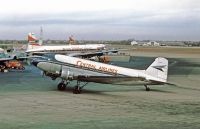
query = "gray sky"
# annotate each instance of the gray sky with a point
(101, 19)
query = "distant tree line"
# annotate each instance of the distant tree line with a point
(119, 42)
(13, 41)
(190, 43)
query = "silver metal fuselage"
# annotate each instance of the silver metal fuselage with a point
(73, 72)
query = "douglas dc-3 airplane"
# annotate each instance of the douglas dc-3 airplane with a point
(73, 68)
(36, 48)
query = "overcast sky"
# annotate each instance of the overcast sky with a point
(101, 19)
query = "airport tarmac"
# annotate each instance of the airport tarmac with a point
(30, 101)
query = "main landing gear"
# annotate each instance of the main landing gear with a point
(62, 85)
(78, 88)
(147, 88)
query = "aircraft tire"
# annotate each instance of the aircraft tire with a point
(61, 86)
(147, 89)
(76, 90)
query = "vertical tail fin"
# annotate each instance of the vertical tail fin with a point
(159, 69)
(32, 41)
(71, 40)
(32, 38)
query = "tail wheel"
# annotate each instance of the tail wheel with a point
(147, 88)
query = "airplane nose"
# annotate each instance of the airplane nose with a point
(35, 62)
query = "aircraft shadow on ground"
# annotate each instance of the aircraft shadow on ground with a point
(85, 91)
(69, 89)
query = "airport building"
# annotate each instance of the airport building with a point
(134, 43)
(153, 43)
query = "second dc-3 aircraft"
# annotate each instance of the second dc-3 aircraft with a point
(72, 68)
(36, 49)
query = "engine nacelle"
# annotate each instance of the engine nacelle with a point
(50, 69)
(66, 73)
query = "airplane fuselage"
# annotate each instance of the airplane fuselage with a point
(89, 71)
(64, 48)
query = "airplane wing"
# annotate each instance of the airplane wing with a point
(89, 55)
(5, 59)
(50, 56)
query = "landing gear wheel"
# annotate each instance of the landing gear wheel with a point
(147, 88)
(77, 90)
(61, 86)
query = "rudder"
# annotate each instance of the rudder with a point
(32, 42)
(159, 69)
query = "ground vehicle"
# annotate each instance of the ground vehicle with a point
(11, 64)
(14, 65)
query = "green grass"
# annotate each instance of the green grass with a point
(28, 101)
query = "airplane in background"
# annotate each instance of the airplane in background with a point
(71, 40)
(72, 68)
(35, 47)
